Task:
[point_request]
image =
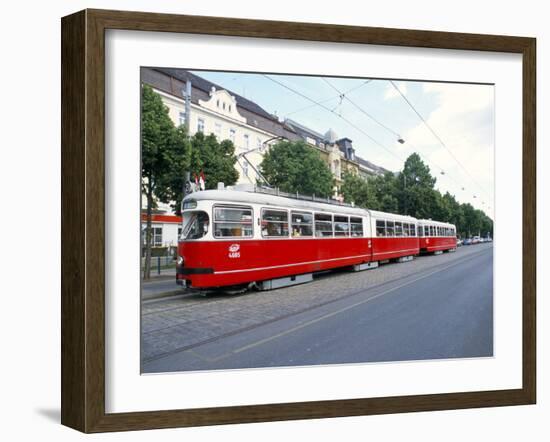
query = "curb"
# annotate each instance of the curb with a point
(150, 296)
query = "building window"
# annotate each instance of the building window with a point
(246, 138)
(274, 223)
(336, 168)
(217, 103)
(259, 144)
(232, 134)
(156, 236)
(232, 221)
(218, 129)
(182, 118)
(229, 108)
(245, 167)
(200, 125)
(224, 105)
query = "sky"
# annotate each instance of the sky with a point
(450, 125)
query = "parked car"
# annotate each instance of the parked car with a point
(459, 242)
(475, 240)
(467, 241)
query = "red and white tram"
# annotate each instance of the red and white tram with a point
(436, 237)
(239, 238)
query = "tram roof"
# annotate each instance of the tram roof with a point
(239, 196)
(249, 197)
(435, 223)
(392, 216)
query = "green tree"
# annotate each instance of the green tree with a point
(357, 190)
(296, 167)
(215, 159)
(164, 155)
(203, 153)
(385, 192)
(415, 190)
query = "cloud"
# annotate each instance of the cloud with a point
(391, 92)
(464, 119)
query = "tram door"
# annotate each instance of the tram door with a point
(368, 234)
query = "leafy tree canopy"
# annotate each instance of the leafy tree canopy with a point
(358, 191)
(293, 167)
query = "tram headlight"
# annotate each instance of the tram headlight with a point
(180, 260)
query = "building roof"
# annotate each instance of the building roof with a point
(255, 115)
(305, 132)
(371, 166)
(206, 86)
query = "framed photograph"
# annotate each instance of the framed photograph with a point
(267, 221)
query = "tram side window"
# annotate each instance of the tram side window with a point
(398, 228)
(390, 228)
(274, 222)
(420, 230)
(380, 227)
(412, 230)
(432, 233)
(232, 222)
(323, 224)
(195, 225)
(302, 224)
(356, 225)
(341, 225)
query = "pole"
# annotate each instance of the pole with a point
(188, 106)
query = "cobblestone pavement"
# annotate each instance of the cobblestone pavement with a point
(176, 324)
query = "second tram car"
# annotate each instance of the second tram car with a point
(436, 237)
(238, 238)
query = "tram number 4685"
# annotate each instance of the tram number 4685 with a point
(234, 251)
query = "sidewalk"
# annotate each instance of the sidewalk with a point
(161, 285)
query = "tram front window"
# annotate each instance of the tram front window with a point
(195, 225)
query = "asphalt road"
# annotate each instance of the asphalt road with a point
(434, 307)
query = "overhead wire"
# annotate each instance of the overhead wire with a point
(318, 103)
(442, 171)
(388, 129)
(438, 137)
(379, 144)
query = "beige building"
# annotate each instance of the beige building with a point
(217, 111)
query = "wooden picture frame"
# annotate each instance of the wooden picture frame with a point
(83, 220)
